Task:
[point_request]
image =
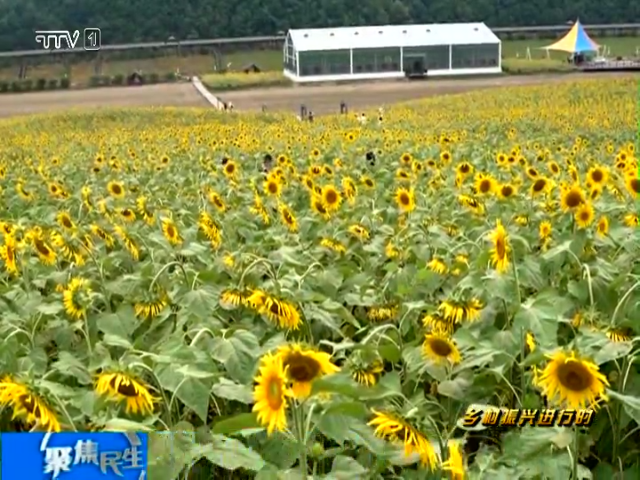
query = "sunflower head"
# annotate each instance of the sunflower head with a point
(122, 387)
(304, 365)
(571, 381)
(440, 348)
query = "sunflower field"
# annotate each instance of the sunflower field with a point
(277, 299)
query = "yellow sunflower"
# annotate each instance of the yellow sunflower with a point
(598, 175)
(500, 251)
(397, 430)
(438, 266)
(170, 232)
(230, 299)
(27, 405)
(571, 197)
(570, 381)
(331, 197)
(273, 187)
(506, 191)
(45, 253)
(270, 394)
(64, 220)
(633, 184)
(282, 313)
(440, 348)
(584, 215)
(544, 230)
(602, 227)
(148, 310)
(288, 219)
(318, 206)
(76, 298)
(368, 374)
(405, 199)
(303, 366)
(359, 231)
(540, 186)
(128, 215)
(455, 463)
(230, 169)
(121, 387)
(116, 189)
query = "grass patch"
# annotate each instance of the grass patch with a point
(518, 66)
(239, 80)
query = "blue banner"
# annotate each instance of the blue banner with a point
(74, 456)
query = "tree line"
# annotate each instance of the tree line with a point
(126, 21)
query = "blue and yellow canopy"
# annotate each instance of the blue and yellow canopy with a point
(575, 41)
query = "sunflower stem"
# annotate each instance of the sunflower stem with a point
(575, 456)
(622, 301)
(298, 418)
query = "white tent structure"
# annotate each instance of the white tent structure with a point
(360, 53)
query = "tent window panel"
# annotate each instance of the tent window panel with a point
(364, 61)
(376, 60)
(387, 60)
(325, 63)
(488, 55)
(433, 57)
(475, 56)
(310, 64)
(437, 57)
(338, 62)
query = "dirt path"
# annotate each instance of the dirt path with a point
(175, 94)
(321, 99)
(325, 99)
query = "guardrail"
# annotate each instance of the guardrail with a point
(280, 38)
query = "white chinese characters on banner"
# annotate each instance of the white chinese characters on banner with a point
(60, 459)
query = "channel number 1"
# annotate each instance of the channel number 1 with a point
(92, 39)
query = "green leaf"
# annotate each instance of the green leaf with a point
(241, 362)
(200, 302)
(120, 324)
(630, 404)
(346, 468)
(343, 384)
(455, 389)
(230, 390)
(235, 424)
(193, 392)
(540, 315)
(229, 454)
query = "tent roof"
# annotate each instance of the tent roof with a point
(344, 38)
(575, 41)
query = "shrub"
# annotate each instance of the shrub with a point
(152, 78)
(4, 86)
(237, 81)
(117, 79)
(16, 86)
(41, 84)
(27, 85)
(53, 84)
(65, 82)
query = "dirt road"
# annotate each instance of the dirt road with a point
(166, 95)
(321, 99)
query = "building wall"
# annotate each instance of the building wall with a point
(393, 61)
